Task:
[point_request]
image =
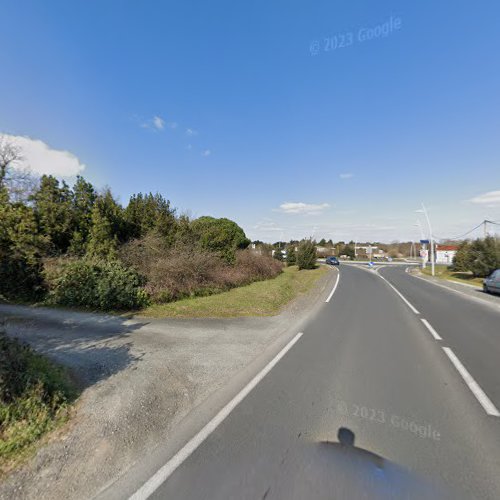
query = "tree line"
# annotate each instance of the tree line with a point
(45, 220)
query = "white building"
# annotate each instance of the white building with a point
(445, 254)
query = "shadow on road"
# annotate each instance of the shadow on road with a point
(93, 346)
(346, 439)
(361, 471)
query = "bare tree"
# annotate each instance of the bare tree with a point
(9, 154)
(20, 181)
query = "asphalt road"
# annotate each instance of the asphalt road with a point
(369, 373)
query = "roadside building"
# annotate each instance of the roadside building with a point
(445, 254)
(369, 252)
(322, 251)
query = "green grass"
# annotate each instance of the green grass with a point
(444, 272)
(35, 398)
(262, 298)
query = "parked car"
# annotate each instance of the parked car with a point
(332, 261)
(491, 284)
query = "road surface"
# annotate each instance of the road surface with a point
(366, 403)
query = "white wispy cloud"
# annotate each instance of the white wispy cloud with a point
(190, 132)
(267, 226)
(347, 175)
(40, 158)
(490, 199)
(206, 152)
(302, 208)
(172, 125)
(158, 122)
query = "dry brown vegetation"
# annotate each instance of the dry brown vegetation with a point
(182, 271)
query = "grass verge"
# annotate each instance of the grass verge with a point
(444, 272)
(35, 398)
(261, 298)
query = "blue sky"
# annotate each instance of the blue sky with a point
(244, 110)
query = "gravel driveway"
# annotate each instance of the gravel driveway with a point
(141, 378)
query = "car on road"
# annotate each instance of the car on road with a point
(332, 261)
(491, 284)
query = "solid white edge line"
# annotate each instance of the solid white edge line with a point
(155, 481)
(334, 287)
(429, 327)
(483, 399)
(400, 295)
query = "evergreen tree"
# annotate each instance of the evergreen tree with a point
(306, 255)
(107, 227)
(84, 197)
(291, 256)
(222, 236)
(485, 255)
(462, 261)
(20, 244)
(54, 214)
(150, 212)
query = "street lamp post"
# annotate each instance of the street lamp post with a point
(431, 238)
(422, 237)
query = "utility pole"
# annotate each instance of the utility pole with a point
(423, 247)
(431, 240)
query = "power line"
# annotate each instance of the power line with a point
(462, 235)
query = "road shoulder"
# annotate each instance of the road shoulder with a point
(464, 289)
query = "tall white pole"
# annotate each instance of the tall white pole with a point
(423, 247)
(431, 239)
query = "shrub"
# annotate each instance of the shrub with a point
(103, 285)
(257, 267)
(182, 271)
(278, 255)
(34, 397)
(21, 278)
(306, 255)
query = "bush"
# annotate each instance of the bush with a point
(278, 255)
(291, 257)
(306, 255)
(254, 267)
(103, 285)
(182, 271)
(34, 397)
(21, 279)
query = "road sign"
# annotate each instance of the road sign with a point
(424, 242)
